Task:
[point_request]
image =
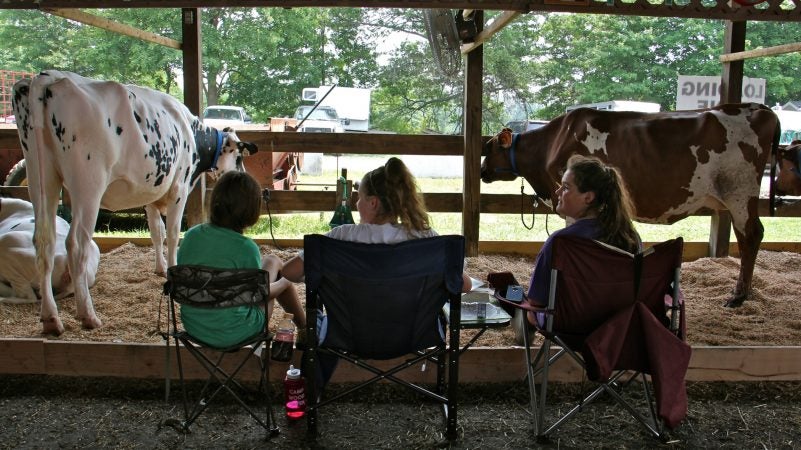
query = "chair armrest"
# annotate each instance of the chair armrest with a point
(523, 304)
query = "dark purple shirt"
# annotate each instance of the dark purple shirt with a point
(541, 276)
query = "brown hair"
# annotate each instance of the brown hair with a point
(235, 201)
(612, 203)
(400, 198)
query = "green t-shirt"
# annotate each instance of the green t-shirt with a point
(214, 246)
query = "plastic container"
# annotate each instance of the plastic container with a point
(294, 394)
(284, 341)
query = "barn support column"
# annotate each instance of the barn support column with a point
(730, 92)
(471, 190)
(193, 99)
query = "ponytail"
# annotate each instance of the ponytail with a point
(612, 204)
(400, 198)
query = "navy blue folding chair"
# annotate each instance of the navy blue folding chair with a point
(383, 302)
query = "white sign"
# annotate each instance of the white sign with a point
(698, 92)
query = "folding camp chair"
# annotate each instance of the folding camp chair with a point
(618, 315)
(384, 302)
(207, 287)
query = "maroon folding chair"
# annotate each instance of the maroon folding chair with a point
(620, 317)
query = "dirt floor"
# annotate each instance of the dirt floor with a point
(52, 412)
(58, 412)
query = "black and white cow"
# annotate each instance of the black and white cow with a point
(113, 146)
(19, 277)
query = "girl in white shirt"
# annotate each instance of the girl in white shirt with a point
(391, 210)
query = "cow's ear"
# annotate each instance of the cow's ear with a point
(505, 138)
(247, 148)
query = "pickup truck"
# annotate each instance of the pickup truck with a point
(324, 119)
(219, 116)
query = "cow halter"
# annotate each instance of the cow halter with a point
(218, 150)
(512, 156)
(513, 170)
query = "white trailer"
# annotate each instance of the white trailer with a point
(619, 105)
(350, 103)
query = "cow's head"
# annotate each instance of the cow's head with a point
(499, 160)
(788, 178)
(230, 152)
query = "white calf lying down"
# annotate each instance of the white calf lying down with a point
(19, 276)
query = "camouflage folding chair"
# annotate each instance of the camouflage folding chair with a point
(207, 287)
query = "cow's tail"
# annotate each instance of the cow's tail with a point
(35, 167)
(774, 155)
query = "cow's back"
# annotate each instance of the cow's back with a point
(675, 163)
(130, 143)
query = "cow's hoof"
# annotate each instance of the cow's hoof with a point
(90, 323)
(734, 302)
(52, 326)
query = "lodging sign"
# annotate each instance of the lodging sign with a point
(697, 92)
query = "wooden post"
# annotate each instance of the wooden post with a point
(471, 191)
(730, 92)
(193, 99)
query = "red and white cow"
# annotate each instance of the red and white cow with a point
(19, 277)
(674, 163)
(788, 177)
(113, 146)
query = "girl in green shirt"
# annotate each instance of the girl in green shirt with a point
(235, 205)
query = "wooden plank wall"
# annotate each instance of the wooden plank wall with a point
(477, 365)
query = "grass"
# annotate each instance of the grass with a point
(492, 227)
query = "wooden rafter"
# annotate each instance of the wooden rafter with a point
(771, 10)
(492, 28)
(757, 52)
(116, 27)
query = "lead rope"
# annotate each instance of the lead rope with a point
(534, 204)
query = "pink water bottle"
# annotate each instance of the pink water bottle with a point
(295, 394)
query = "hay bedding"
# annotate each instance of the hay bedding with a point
(127, 297)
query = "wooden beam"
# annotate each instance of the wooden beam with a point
(759, 52)
(693, 9)
(116, 27)
(692, 250)
(289, 202)
(494, 27)
(477, 365)
(196, 210)
(472, 145)
(731, 92)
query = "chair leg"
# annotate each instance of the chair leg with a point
(266, 390)
(654, 427)
(453, 385)
(545, 353)
(532, 388)
(309, 365)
